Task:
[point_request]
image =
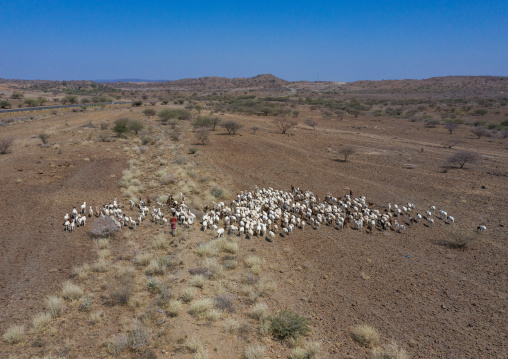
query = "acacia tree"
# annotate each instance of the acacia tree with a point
(346, 151)
(463, 157)
(231, 126)
(284, 124)
(310, 122)
(450, 126)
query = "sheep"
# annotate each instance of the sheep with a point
(271, 235)
(481, 228)
(451, 219)
(220, 232)
(83, 208)
(67, 225)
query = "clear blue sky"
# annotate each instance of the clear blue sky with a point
(295, 40)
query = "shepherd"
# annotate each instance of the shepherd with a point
(173, 225)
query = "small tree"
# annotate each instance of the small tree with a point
(41, 100)
(284, 124)
(121, 126)
(202, 135)
(346, 151)
(135, 125)
(5, 144)
(202, 122)
(450, 126)
(5, 104)
(71, 99)
(164, 101)
(215, 121)
(479, 131)
(31, 102)
(463, 157)
(137, 103)
(17, 95)
(43, 137)
(231, 126)
(149, 112)
(310, 122)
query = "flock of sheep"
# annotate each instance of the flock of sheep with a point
(268, 212)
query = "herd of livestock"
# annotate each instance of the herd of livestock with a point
(266, 212)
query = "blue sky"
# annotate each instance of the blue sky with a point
(295, 40)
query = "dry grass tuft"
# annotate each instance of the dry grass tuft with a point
(14, 334)
(198, 281)
(216, 269)
(260, 311)
(254, 351)
(82, 272)
(41, 321)
(188, 294)
(200, 309)
(102, 243)
(155, 268)
(266, 288)
(365, 335)
(100, 266)
(231, 325)
(253, 260)
(173, 308)
(55, 306)
(390, 351)
(144, 259)
(208, 249)
(160, 243)
(96, 317)
(71, 291)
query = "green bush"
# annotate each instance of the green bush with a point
(121, 126)
(288, 324)
(135, 125)
(137, 103)
(193, 150)
(5, 104)
(149, 112)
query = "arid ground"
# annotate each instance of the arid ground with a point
(415, 288)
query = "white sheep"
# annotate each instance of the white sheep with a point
(220, 232)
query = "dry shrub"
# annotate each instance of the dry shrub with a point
(139, 337)
(118, 343)
(266, 288)
(103, 227)
(305, 350)
(14, 334)
(5, 144)
(160, 242)
(122, 288)
(225, 303)
(462, 157)
(206, 249)
(82, 272)
(168, 178)
(365, 335)
(390, 351)
(254, 351)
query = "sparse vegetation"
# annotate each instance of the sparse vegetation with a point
(390, 351)
(288, 324)
(231, 126)
(347, 151)
(15, 334)
(365, 335)
(285, 124)
(310, 122)
(71, 291)
(462, 157)
(103, 227)
(43, 137)
(55, 306)
(202, 135)
(149, 112)
(255, 351)
(5, 144)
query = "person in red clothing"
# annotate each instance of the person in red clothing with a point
(173, 225)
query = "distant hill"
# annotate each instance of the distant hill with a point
(128, 80)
